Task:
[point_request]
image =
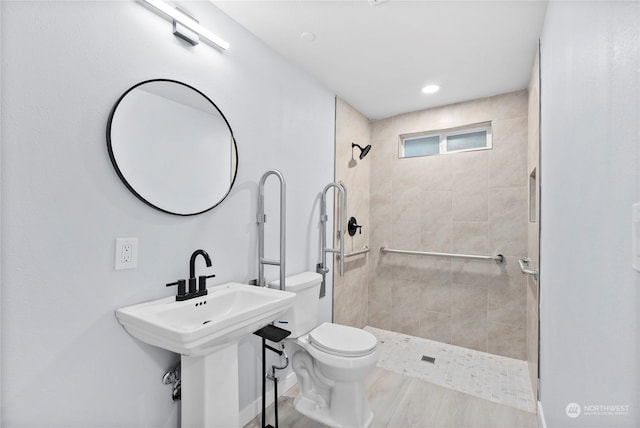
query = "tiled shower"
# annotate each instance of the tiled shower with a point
(469, 202)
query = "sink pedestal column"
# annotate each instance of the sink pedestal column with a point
(210, 389)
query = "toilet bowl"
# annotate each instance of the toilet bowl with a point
(331, 361)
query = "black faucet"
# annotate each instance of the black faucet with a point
(183, 293)
(202, 279)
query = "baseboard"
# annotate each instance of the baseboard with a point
(541, 422)
(255, 408)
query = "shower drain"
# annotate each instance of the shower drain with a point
(428, 359)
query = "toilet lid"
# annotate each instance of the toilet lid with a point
(342, 340)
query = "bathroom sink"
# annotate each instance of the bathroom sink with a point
(201, 325)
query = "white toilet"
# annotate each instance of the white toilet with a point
(331, 361)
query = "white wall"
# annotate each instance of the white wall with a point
(1, 246)
(66, 362)
(590, 161)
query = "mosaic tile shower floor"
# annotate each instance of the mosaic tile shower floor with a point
(491, 377)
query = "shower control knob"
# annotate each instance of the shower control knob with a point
(352, 226)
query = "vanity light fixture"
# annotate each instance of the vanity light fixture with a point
(185, 26)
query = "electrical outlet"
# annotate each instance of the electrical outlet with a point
(125, 253)
(126, 256)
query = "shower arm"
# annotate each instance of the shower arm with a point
(342, 212)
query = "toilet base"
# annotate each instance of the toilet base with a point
(332, 388)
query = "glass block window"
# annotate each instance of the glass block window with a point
(473, 137)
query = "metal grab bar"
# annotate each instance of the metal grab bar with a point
(342, 222)
(262, 219)
(499, 258)
(364, 250)
(524, 263)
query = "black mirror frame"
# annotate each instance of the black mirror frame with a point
(119, 172)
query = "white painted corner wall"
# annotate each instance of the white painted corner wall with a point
(65, 359)
(590, 163)
(1, 245)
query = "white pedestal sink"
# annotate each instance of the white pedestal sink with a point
(205, 331)
(210, 389)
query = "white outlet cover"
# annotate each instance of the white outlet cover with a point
(129, 262)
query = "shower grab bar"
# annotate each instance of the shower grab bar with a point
(499, 258)
(262, 219)
(342, 222)
(364, 250)
(524, 263)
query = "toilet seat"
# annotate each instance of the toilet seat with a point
(342, 340)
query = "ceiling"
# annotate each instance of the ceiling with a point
(378, 54)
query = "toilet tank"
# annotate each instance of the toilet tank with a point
(303, 316)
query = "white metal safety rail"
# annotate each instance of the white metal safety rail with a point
(499, 258)
(262, 219)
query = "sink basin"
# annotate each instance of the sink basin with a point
(198, 326)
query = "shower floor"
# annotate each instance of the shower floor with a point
(491, 377)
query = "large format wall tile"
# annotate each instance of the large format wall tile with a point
(508, 221)
(350, 292)
(470, 186)
(436, 225)
(508, 157)
(436, 173)
(507, 296)
(470, 238)
(509, 105)
(468, 203)
(379, 303)
(436, 296)
(470, 272)
(469, 316)
(508, 236)
(405, 307)
(435, 326)
(507, 340)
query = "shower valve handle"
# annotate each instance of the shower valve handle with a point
(353, 226)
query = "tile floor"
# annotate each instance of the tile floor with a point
(404, 393)
(399, 401)
(492, 377)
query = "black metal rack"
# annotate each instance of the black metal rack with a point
(276, 335)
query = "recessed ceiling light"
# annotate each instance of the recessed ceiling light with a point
(430, 89)
(308, 36)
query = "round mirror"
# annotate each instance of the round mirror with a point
(172, 147)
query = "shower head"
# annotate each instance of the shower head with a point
(363, 150)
